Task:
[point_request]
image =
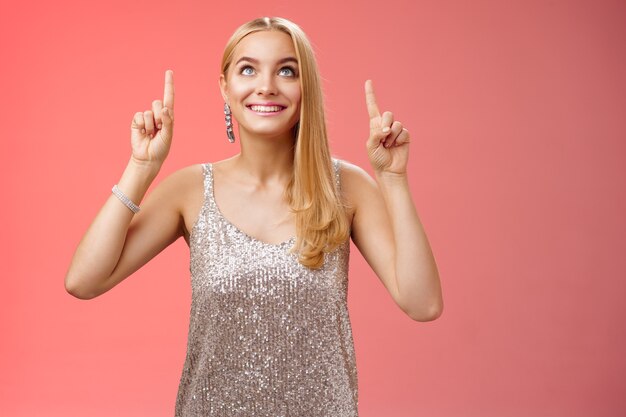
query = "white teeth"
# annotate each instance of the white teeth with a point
(266, 109)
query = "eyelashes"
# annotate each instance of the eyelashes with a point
(249, 70)
(291, 69)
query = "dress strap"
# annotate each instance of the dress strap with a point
(336, 165)
(207, 170)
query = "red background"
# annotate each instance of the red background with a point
(518, 168)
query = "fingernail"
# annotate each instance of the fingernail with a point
(386, 129)
(143, 130)
(159, 125)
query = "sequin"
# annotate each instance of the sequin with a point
(268, 337)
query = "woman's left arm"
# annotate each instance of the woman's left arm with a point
(385, 225)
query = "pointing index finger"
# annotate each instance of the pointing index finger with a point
(168, 93)
(370, 100)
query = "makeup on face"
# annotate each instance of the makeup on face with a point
(263, 84)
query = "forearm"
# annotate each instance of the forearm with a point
(416, 274)
(100, 248)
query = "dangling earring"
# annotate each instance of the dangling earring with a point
(229, 123)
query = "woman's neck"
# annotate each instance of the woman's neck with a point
(266, 159)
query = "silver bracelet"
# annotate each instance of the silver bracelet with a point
(119, 194)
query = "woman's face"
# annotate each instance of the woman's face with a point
(262, 85)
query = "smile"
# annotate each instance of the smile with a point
(265, 109)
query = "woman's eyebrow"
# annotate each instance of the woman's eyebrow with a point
(256, 61)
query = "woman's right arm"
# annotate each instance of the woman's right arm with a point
(118, 242)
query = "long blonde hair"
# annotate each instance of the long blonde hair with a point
(321, 222)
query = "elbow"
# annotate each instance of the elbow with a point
(73, 287)
(428, 314)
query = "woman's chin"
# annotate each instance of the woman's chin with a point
(269, 133)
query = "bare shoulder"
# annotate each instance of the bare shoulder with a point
(185, 178)
(352, 172)
(356, 183)
(182, 191)
(178, 186)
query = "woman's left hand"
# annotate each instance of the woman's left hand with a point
(388, 144)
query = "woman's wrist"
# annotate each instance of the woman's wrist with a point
(136, 179)
(391, 178)
(143, 170)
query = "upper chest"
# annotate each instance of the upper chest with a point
(258, 210)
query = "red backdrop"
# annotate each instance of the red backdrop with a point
(517, 168)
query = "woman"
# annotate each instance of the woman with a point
(268, 231)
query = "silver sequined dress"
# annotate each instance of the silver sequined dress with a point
(268, 337)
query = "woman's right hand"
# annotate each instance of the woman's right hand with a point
(151, 131)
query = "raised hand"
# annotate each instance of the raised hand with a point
(388, 144)
(151, 131)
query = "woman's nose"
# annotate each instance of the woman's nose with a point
(267, 85)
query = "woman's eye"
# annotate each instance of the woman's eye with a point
(247, 71)
(287, 71)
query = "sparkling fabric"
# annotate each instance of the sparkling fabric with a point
(267, 336)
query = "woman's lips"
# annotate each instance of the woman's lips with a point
(264, 109)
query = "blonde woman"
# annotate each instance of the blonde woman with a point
(268, 232)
